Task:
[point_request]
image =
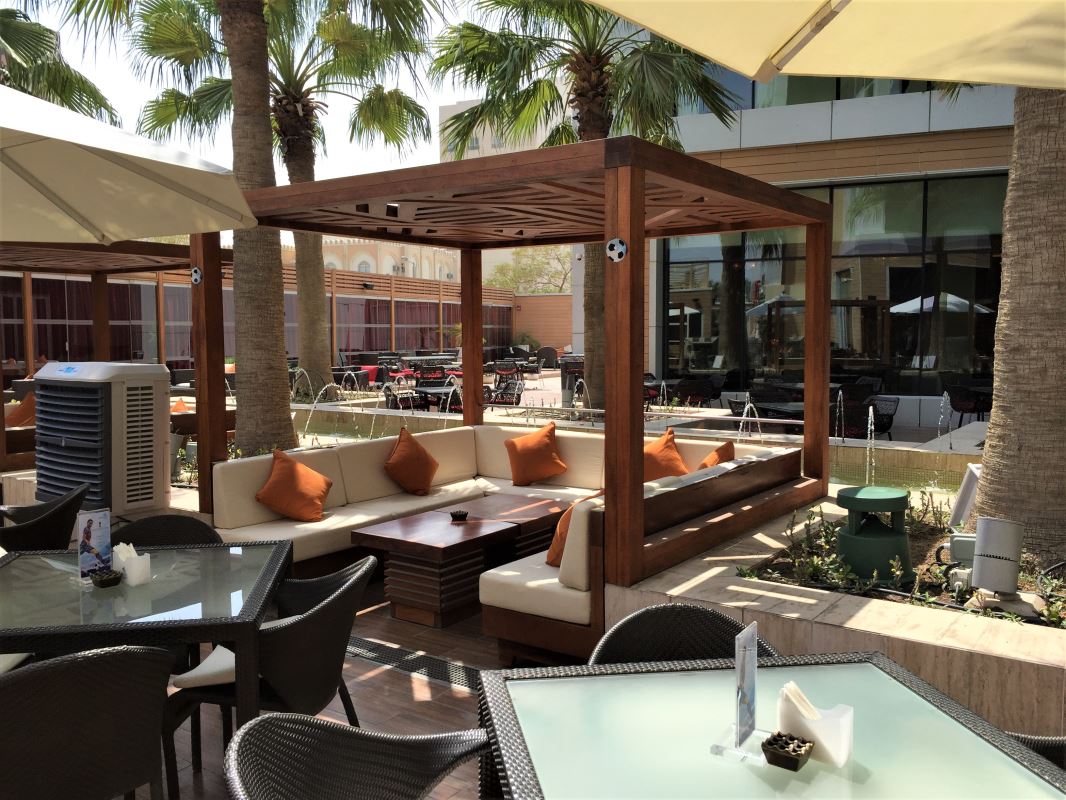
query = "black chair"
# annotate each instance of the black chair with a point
(166, 529)
(963, 401)
(548, 357)
(884, 414)
(1053, 748)
(736, 409)
(84, 725)
(672, 632)
(301, 658)
(45, 526)
(293, 757)
(507, 394)
(403, 398)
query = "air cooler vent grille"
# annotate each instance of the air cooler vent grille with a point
(73, 440)
(140, 444)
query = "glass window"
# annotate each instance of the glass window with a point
(966, 213)
(703, 248)
(783, 242)
(790, 90)
(881, 218)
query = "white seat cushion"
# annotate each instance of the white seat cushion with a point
(530, 586)
(403, 505)
(8, 661)
(220, 666)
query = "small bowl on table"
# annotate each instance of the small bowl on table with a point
(106, 578)
(459, 516)
(787, 751)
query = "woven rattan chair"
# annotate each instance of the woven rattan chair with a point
(45, 526)
(884, 414)
(167, 529)
(671, 632)
(301, 658)
(293, 757)
(1053, 748)
(84, 725)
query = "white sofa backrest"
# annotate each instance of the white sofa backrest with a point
(237, 481)
(582, 453)
(363, 463)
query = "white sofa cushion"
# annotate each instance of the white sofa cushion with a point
(237, 481)
(334, 531)
(582, 453)
(532, 587)
(455, 453)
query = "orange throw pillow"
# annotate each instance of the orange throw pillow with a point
(562, 528)
(534, 456)
(721, 454)
(294, 490)
(662, 459)
(22, 415)
(180, 407)
(411, 465)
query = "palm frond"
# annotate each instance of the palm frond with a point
(93, 18)
(195, 115)
(23, 41)
(395, 117)
(562, 133)
(534, 107)
(176, 40)
(59, 83)
(950, 92)
(500, 61)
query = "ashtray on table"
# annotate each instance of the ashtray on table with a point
(787, 751)
(105, 578)
(459, 516)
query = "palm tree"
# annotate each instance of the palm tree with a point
(1021, 476)
(31, 62)
(316, 50)
(264, 420)
(534, 59)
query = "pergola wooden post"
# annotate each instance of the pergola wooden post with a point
(816, 355)
(208, 347)
(624, 367)
(101, 318)
(473, 332)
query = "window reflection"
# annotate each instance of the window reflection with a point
(914, 285)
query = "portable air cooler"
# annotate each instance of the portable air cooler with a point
(107, 425)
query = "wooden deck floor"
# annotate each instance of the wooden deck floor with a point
(386, 699)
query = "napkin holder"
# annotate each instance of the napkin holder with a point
(831, 730)
(137, 568)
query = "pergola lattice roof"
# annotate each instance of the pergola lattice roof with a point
(547, 196)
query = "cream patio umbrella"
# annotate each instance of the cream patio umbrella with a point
(67, 178)
(1013, 42)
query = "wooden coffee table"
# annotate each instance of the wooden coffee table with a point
(535, 518)
(433, 564)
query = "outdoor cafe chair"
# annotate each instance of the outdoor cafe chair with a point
(672, 632)
(507, 394)
(84, 725)
(301, 659)
(293, 757)
(44, 526)
(884, 414)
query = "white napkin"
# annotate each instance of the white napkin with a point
(831, 730)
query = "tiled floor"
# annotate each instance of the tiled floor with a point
(385, 699)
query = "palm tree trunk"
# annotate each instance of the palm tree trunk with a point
(315, 354)
(1022, 476)
(595, 343)
(263, 417)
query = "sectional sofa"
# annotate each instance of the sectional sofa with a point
(526, 600)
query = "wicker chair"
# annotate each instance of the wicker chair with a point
(301, 658)
(884, 414)
(84, 725)
(671, 632)
(165, 529)
(293, 757)
(963, 401)
(1053, 748)
(45, 526)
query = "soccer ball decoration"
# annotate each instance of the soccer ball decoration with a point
(616, 250)
(197, 276)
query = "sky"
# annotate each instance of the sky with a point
(106, 63)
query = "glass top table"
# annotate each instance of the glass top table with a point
(646, 731)
(206, 593)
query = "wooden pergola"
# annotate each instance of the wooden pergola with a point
(622, 188)
(133, 258)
